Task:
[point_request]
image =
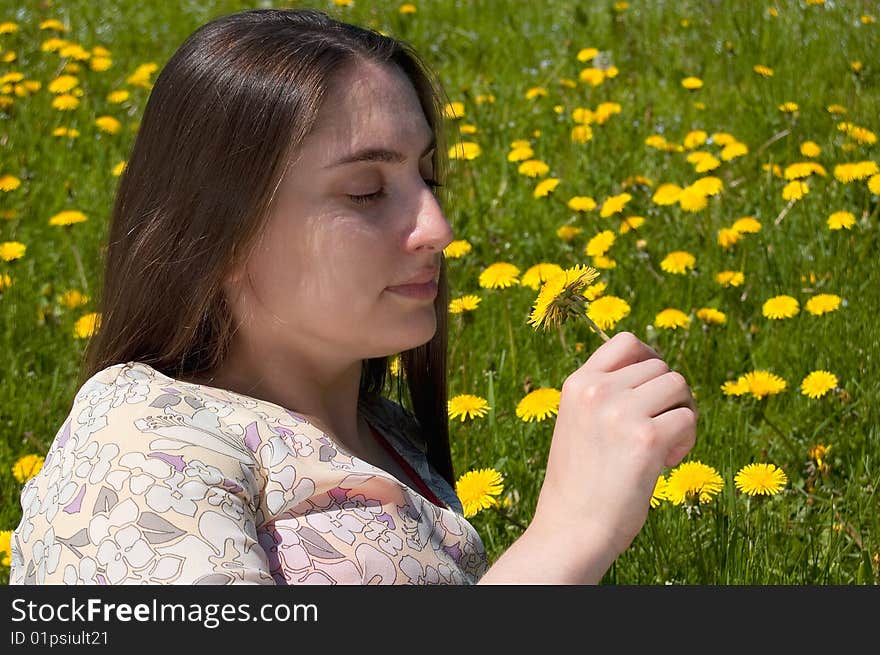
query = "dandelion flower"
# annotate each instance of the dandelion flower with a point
(533, 168)
(521, 153)
(592, 76)
(499, 275)
(600, 243)
(746, 225)
(818, 383)
(734, 150)
(118, 168)
(810, 149)
(789, 107)
(465, 150)
(478, 490)
(670, 319)
(763, 71)
(67, 217)
(581, 203)
(568, 232)
(466, 303)
(467, 406)
(457, 248)
(693, 482)
(760, 479)
(581, 134)
(108, 124)
(730, 278)
(73, 299)
(562, 297)
(535, 276)
(603, 262)
(539, 405)
(823, 303)
(708, 185)
(5, 282)
(711, 316)
(692, 83)
(666, 194)
(795, 190)
(758, 383)
(65, 102)
(874, 184)
(453, 110)
(586, 54)
(727, 237)
(27, 467)
(607, 311)
(6, 547)
(87, 325)
(614, 204)
(841, 220)
(691, 199)
(659, 494)
(694, 138)
(545, 187)
(12, 250)
(407, 8)
(678, 262)
(631, 223)
(779, 307)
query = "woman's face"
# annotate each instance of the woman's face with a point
(354, 221)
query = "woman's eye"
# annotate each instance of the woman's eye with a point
(367, 197)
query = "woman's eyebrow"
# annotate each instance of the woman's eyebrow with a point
(381, 155)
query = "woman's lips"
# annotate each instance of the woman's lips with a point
(427, 291)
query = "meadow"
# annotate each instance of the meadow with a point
(715, 162)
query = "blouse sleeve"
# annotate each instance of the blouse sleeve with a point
(133, 492)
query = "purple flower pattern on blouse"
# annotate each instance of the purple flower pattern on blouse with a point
(152, 480)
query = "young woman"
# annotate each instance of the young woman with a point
(276, 236)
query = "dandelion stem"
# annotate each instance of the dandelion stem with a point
(563, 341)
(596, 328)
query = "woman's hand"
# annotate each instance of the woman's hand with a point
(623, 416)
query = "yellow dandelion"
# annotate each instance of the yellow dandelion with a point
(478, 490)
(63, 84)
(841, 220)
(762, 70)
(12, 250)
(779, 307)
(87, 325)
(5, 282)
(562, 297)
(581, 134)
(693, 482)
(453, 110)
(733, 151)
(499, 275)
(582, 115)
(874, 184)
(603, 262)
(586, 54)
(536, 92)
(65, 102)
(818, 383)
(819, 454)
(631, 223)
(545, 187)
(711, 316)
(465, 150)
(836, 110)
(466, 303)
(118, 168)
(730, 278)
(536, 275)
(592, 76)
(27, 467)
(760, 479)
(727, 237)
(108, 124)
(607, 311)
(671, 318)
(458, 248)
(600, 244)
(581, 203)
(692, 83)
(738, 387)
(467, 406)
(692, 199)
(678, 262)
(8, 27)
(407, 8)
(538, 405)
(823, 303)
(5, 547)
(467, 128)
(666, 194)
(73, 299)
(746, 225)
(521, 153)
(594, 291)
(810, 149)
(9, 183)
(659, 494)
(568, 232)
(533, 168)
(67, 217)
(788, 107)
(694, 139)
(614, 204)
(795, 190)
(763, 383)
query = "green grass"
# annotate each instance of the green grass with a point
(827, 535)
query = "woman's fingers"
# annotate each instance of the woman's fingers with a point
(662, 393)
(634, 375)
(623, 349)
(679, 427)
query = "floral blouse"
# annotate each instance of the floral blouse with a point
(152, 480)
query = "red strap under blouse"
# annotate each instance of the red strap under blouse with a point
(423, 488)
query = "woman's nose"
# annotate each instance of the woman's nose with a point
(432, 230)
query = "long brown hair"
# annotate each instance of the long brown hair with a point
(225, 114)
